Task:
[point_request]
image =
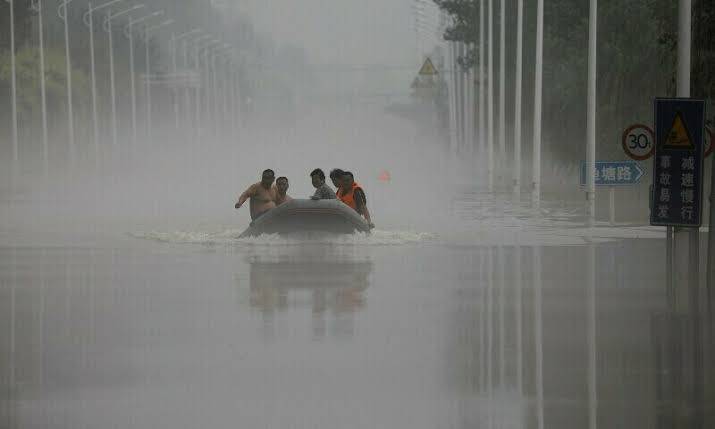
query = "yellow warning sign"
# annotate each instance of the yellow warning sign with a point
(427, 68)
(678, 137)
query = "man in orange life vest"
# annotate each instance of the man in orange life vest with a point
(353, 195)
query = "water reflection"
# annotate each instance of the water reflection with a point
(570, 337)
(331, 284)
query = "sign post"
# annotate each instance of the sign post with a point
(612, 174)
(678, 181)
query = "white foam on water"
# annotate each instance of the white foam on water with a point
(230, 237)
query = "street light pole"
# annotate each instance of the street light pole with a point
(108, 29)
(538, 82)
(517, 102)
(502, 93)
(129, 34)
(591, 119)
(174, 43)
(37, 7)
(89, 22)
(62, 12)
(490, 94)
(147, 73)
(13, 85)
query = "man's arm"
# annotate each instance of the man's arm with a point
(361, 203)
(248, 193)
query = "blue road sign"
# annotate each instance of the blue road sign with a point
(613, 173)
(678, 162)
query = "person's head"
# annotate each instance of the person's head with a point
(317, 177)
(267, 177)
(336, 175)
(347, 179)
(282, 184)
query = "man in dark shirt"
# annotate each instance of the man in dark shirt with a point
(322, 190)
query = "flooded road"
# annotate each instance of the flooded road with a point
(422, 333)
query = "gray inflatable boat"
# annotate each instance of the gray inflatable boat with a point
(331, 216)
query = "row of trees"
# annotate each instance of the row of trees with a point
(222, 21)
(636, 62)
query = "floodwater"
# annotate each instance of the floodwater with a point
(399, 330)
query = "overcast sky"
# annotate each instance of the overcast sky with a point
(340, 31)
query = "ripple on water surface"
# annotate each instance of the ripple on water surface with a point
(231, 237)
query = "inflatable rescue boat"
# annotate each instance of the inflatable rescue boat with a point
(331, 216)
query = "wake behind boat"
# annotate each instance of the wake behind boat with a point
(302, 215)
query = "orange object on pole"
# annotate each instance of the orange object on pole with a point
(384, 176)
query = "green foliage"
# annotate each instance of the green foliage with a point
(28, 78)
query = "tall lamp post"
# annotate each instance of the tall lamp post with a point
(147, 72)
(36, 5)
(128, 33)
(199, 42)
(187, 91)
(13, 84)
(206, 79)
(88, 21)
(108, 28)
(175, 39)
(62, 13)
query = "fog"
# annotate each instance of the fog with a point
(134, 294)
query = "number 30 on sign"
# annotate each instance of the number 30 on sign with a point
(638, 142)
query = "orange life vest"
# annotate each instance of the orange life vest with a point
(348, 197)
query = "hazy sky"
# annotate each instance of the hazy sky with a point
(340, 31)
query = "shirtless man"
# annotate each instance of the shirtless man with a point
(281, 188)
(262, 195)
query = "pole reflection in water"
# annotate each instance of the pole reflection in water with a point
(329, 284)
(538, 337)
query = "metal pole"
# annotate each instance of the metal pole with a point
(490, 94)
(502, 92)
(147, 86)
(215, 96)
(538, 337)
(132, 78)
(62, 11)
(174, 69)
(95, 124)
(187, 94)
(591, 119)
(517, 97)
(197, 95)
(612, 205)
(43, 93)
(111, 80)
(482, 84)
(538, 81)
(13, 85)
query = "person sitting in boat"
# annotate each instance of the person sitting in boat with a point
(281, 188)
(322, 190)
(336, 176)
(261, 194)
(353, 195)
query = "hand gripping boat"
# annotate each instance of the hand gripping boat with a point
(331, 216)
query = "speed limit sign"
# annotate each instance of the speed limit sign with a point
(638, 142)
